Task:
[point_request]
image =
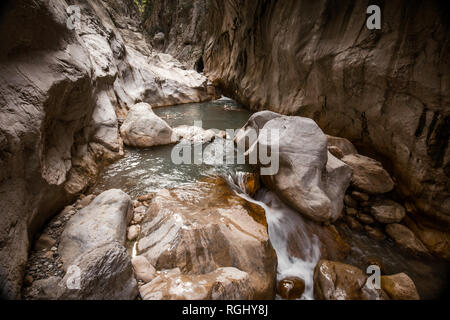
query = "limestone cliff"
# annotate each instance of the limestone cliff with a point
(63, 91)
(386, 90)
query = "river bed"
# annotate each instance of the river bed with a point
(143, 171)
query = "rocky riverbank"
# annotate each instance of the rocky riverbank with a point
(204, 241)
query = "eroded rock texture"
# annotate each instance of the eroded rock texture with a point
(62, 93)
(386, 90)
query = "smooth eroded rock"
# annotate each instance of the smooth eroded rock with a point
(291, 288)
(339, 281)
(221, 284)
(368, 175)
(205, 226)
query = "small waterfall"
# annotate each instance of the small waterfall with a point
(298, 250)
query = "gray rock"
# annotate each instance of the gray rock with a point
(143, 128)
(106, 273)
(103, 221)
(44, 289)
(406, 239)
(388, 211)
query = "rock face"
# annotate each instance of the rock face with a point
(338, 281)
(221, 284)
(204, 227)
(103, 221)
(399, 287)
(62, 91)
(106, 273)
(310, 179)
(143, 128)
(377, 88)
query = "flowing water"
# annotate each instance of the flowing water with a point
(143, 171)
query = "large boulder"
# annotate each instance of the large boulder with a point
(368, 174)
(406, 239)
(388, 211)
(105, 273)
(221, 284)
(143, 128)
(104, 220)
(206, 226)
(309, 179)
(399, 287)
(339, 281)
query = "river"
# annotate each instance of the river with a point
(143, 171)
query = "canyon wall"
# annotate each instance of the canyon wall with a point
(387, 90)
(63, 91)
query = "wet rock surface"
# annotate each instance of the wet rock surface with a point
(222, 284)
(338, 281)
(406, 239)
(357, 83)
